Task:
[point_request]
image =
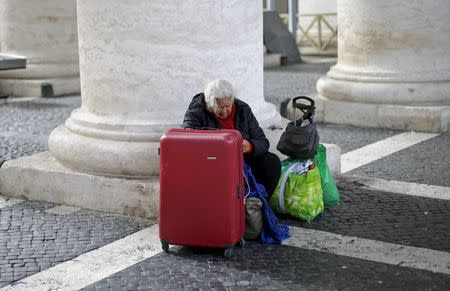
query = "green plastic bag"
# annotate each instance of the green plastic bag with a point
(331, 195)
(302, 195)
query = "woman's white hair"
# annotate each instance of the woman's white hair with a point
(217, 89)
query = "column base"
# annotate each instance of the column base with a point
(108, 155)
(41, 177)
(418, 118)
(38, 88)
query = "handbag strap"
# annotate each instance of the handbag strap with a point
(283, 185)
(248, 186)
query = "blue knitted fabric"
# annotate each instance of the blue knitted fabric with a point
(272, 231)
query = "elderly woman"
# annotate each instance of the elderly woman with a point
(217, 107)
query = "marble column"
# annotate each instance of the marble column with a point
(44, 31)
(393, 66)
(141, 63)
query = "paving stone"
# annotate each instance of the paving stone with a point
(25, 126)
(427, 162)
(50, 236)
(388, 217)
(271, 268)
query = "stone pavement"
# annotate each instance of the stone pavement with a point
(405, 239)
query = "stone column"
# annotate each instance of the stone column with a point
(45, 31)
(393, 66)
(141, 63)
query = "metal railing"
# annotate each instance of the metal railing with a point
(318, 31)
(320, 43)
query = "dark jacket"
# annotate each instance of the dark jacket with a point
(244, 121)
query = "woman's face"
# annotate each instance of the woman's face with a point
(223, 107)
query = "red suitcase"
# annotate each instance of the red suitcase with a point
(201, 189)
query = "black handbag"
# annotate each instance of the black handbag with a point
(253, 218)
(300, 139)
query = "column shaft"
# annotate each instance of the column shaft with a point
(393, 65)
(141, 63)
(45, 31)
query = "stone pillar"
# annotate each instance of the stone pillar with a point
(44, 31)
(393, 66)
(141, 63)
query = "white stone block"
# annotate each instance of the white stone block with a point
(41, 177)
(333, 158)
(417, 118)
(358, 114)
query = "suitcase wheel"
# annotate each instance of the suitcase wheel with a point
(228, 252)
(165, 246)
(241, 242)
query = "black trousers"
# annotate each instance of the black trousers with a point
(266, 169)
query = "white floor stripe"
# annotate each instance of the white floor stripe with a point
(7, 201)
(407, 188)
(95, 265)
(62, 210)
(381, 149)
(387, 253)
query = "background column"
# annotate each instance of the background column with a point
(44, 31)
(393, 66)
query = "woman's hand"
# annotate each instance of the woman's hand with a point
(246, 146)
